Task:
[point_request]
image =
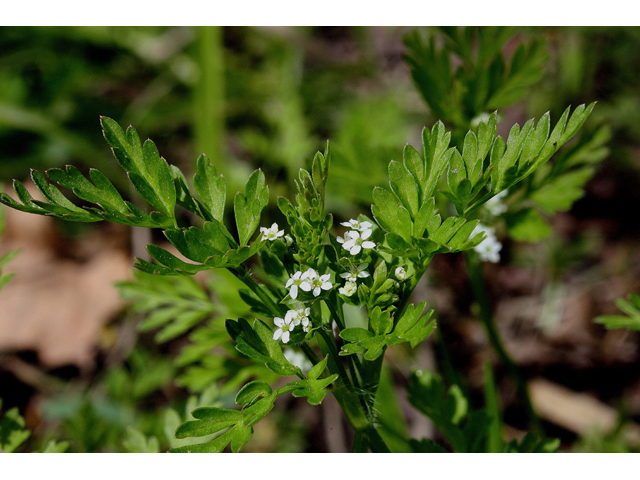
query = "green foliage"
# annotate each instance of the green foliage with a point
(12, 430)
(292, 281)
(483, 79)
(464, 429)
(413, 327)
(532, 444)
(136, 442)
(631, 319)
(555, 186)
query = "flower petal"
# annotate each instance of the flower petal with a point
(355, 249)
(285, 337)
(368, 245)
(277, 334)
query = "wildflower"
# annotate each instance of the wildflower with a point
(489, 248)
(293, 283)
(356, 225)
(357, 242)
(346, 237)
(271, 233)
(495, 206)
(349, 289)
(298, 316)
(288, 240)
(297, 359)
(284, 327)
(359, 272)
(312, 281)
(401, 273)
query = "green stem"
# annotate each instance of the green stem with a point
(486, 316)
(209, 96)
(361, 422)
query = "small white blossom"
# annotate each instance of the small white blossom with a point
(401, 273)
(495, 206)
(293, 283)
(288, 240)
(298, 316)
(297, 359)
(313, 282)
(357, 242)
(271, 233)
(346, 237)
(359, 272)
(349, 289)
(489, 248)
(284, 327)
(356, 225)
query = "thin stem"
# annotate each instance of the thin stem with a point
(486, 316)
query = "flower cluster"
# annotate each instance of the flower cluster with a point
(308, 281)
(291, 320)
(350, 287)
(355, 240)
(489, 248)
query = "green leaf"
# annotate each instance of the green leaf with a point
(313, 387)
(12, 430)
(391, 216)
(527, 225)
(149, 173)
(212, 420)
(436, 153)
(445, 407)
(136, 442)
(404, 185)
(211, 187)
(631, 321)
(559, 194)
(248, 206)
(256, 341)
(251, 392)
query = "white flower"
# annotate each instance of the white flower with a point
(293, 283)
(346, 237)
(357, 242)
(271, 233)
(356, 225)
(312, 281)
(359, 272)
(288, 240)
(298, 316)
(495, 206)
(284, 327)
(349, 289)
(489, 248)
(401, 273)
(297, 359)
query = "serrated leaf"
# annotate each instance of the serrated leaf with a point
(251, 392)
(211, 187)
(405, 186)
(390, 216)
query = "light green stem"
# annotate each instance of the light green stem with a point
(209, 124)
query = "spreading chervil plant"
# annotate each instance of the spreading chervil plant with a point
(301, 279)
